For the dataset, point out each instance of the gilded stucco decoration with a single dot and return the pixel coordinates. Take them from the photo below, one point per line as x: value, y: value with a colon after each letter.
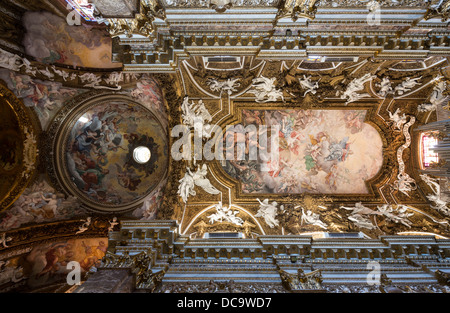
x: 379, y: 98
x: 20, y: 150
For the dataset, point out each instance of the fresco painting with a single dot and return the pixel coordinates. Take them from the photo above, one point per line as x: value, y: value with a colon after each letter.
x: 50, y: 39
x: 45, y: 97
x: 100, y: 153
x: 47, y: 263
x: 320, y: 151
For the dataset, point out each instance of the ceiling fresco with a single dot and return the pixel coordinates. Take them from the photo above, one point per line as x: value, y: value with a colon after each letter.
x: 97, y: 152
x: 346, y: 141
x: 320, y: 152
x: 148, y: 112
x: 51, y: 40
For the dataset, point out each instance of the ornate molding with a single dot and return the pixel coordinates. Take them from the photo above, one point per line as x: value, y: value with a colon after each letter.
x: 29, y: 159
x: 141, y: 24
x: 298, y: 8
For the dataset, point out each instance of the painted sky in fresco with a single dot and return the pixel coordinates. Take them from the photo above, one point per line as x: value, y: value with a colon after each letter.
x: 100, y: 148
x: 320, y: 151
x: 50, y: 39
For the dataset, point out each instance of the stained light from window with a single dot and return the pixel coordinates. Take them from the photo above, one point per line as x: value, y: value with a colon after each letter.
x: 84, y: 8
x: 428, y: 155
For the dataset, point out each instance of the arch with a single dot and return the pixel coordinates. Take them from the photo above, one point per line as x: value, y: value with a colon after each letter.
x: 212, y: 206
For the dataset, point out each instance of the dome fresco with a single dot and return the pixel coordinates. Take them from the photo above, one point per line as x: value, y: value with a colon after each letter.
x: 100, y: 149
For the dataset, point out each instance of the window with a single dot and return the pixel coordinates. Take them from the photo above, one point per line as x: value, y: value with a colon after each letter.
x: 84, y: 8
x: 428, y: 142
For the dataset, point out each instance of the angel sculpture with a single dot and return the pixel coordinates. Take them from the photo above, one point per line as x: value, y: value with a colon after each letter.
x: 268, y: 212
x: 397, y: 215
x: 85, y: 226
x: 397, y: 120
x: 312, y: 218
x: 439, y: 199
x: 112, y: 224
x: 360, y: 209
x: 186, y: 187
x: 196, y: 116
x: 357, y: 84
x: 198, y: 178
x: 385, y: 87
x: 437, y: 98
x: 407, y: 85
x: 357, y: 216
x: 229, y: 85
x: 4, y: 239
x: 265, y: 91
x: 225, y: 213
x: 306, y: 83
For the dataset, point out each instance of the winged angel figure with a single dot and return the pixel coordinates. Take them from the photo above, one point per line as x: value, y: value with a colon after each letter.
x: 198, y: 178
x: 265, y: 91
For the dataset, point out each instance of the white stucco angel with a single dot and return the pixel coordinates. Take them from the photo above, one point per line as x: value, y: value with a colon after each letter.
x: 186, y: 186
x: 432, y: 183
x: 10, y: 273
x: 201, y: 181
x: 226, y: 214
x: 85, y: 226
x: 10, y: 61
x: 385, y: 87
x: 228, y: 85
x: 397, y: 120
x: 265, y: 91
x: 196, y: 116
x: 360, y: 209
x: 438, y: 98
x: 355, y: 86
x: 359, y: 215
x: 4, y: 240
x: 361, y: 221
x: 397, y: 215
x: 198, y: 178
x: 439, y: 199
x: 307, y: 84
x: 405, y: 183
x: 407, y: 85
x: 112, y: 224
x: 312, y: 218
x: 268, y: 211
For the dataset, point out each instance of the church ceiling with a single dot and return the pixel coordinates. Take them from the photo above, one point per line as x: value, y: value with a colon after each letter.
x: 318, y: 115
x: 340, y: 103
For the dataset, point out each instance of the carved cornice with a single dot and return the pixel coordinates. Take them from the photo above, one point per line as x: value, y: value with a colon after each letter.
x: 31, y: 235
x: 141, y: 24
x: 295, y: 9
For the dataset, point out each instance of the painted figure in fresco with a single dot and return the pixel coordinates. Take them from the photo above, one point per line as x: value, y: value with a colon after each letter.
x: 93, y: 255
x: 127, y: 177
x: 339, y: 151
x: 52, y: 257
x: 93, y: 177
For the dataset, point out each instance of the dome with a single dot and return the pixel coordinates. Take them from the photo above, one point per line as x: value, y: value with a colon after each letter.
x: 112, y: 153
